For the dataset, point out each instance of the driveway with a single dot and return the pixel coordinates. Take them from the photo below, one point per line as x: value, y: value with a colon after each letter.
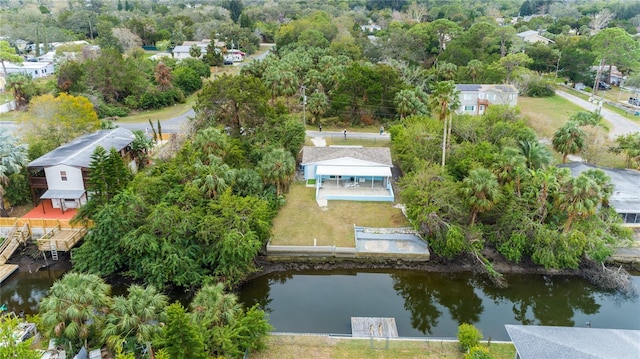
x: 172, y: 125
x: 620, y: 125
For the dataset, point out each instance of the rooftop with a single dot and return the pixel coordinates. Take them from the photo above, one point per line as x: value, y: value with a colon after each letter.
x: 380, y: 155
x: 626, y: 185
x: 77, y: 153
x: 572, y: 343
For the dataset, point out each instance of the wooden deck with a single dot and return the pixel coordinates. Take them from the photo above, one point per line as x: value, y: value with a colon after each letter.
x: 370, y: 327
x: 6, y: 270
x: 64, y: 239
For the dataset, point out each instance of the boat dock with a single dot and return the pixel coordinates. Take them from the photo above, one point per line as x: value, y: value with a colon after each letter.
x: 371, y: 327
x: 51, y: 235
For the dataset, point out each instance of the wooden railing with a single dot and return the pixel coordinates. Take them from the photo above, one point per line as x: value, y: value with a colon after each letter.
x: 38, y: 223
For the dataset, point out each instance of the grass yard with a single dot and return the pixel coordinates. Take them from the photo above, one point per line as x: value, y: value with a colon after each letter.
x: 319, y: 347
x: 301, y: 219
x: 546, y: 114
x: 355, y: 140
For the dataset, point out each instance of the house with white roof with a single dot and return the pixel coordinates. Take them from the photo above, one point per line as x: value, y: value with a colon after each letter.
x: 476, y: 98
x: 182, y: 51
x: 349, y: 173
x: 34, y: 69
x: 61, y: 175
x: 532, y: 36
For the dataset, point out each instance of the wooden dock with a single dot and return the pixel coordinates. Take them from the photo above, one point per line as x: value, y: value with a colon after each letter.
x: 63, y: 239
x: 370, y: 327
x: 6, y: 270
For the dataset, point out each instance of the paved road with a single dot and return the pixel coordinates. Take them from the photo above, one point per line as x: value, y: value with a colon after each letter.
x: 620, y: 124
x: 172, y: 125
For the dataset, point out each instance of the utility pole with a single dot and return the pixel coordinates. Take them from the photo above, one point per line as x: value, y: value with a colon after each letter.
x: 304, y: 105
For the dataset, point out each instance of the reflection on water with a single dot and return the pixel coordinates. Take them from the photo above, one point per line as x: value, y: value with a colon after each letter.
x: 434, y: 304
x: 423, y: 304
x: 24, y: 290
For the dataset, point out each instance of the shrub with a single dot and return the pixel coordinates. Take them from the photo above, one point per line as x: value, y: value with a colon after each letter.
x: 540, y: 88
x: 186, y: 79
x: 468, y: 336
x: 478, y: 352
x: 105, y: 110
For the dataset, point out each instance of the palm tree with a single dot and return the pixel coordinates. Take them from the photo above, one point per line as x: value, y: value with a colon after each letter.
x: 447, y: 70
x: 474, y: 68
x: 536, y: 154
x: 411, y: 102
x: 13, y: 157
x: 481, y: 190
x: 603, y: 181
x: 568, y: 139
x: 135, y: 320
x: 72, y: 312
x: 213, y: 310
x: 546, y: 181
x: 214, y: 178
x: 579, y: 197
x: 277, y: 168
x: 444, y: 97
x: 318, y: 105
x: 511, y: 167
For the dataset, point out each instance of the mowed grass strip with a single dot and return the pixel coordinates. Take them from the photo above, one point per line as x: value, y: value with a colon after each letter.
x: 322, y: 347
x: 301, y: 220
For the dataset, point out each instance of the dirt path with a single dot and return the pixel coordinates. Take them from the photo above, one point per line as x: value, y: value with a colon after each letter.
x: 619, y: 124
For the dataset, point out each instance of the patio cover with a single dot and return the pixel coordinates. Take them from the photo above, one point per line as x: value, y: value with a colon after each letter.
x: 62, y: 193
x: 353, y: 171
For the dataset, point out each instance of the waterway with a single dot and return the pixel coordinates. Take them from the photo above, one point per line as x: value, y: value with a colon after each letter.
x: 424, y: 304
x: 434, y: 304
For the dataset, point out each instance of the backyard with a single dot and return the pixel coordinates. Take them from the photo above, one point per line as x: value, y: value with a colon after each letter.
x: 301, y: 220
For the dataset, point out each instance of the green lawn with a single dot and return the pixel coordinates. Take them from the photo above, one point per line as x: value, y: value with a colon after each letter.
x: 319, y: 347
x: 301, y: 220
x: 546, y: 114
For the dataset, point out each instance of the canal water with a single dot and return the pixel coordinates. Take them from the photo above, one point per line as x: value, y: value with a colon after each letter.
x: 424, y: 304
x: 434, y: 304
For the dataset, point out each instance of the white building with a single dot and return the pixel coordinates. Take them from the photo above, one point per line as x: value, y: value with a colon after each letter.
x: 532, y: 36
x: 33, y: 69
x: 63, y: 172
x: 475, y: 99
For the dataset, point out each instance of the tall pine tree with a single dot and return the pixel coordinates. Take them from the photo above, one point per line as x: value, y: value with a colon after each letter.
x: 181, y: 339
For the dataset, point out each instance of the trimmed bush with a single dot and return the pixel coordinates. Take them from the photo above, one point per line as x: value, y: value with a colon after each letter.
x: 478, y: 352
x: 468, y: 336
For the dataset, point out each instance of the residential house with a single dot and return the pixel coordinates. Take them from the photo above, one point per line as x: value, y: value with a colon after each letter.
x: 33, y: 69
x: 61, y: 175
x: 532, y: 36
x: 182, y: 51
x: 625, y: 198
x: 371, y: 28
x: 349, y: 173
x: 475, y: 98
x: 610, y: 74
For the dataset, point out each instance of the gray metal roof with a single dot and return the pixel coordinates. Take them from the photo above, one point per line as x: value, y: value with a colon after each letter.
x: 62, y: 193
x: 626, y: 185
x: 380, y: 155
x: 486, y: 88
x: 77, y: 153
x: 541, y: 342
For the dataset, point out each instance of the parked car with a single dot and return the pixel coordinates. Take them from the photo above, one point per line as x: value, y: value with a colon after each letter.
x: 603, y: 86
x: 635, y: 101
x: 228, y: 62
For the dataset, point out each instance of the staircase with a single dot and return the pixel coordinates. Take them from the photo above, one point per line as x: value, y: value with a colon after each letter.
x: 17, y: 235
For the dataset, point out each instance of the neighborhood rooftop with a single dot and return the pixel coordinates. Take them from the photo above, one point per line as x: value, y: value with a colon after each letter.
x: 533, y: 341
x: 478, y: 87
x: 380, y: 155
x: 626, y: 185
x: 78, y: 152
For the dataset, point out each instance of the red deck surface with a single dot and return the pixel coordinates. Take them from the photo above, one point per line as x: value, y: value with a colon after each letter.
x: 44, y: 210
